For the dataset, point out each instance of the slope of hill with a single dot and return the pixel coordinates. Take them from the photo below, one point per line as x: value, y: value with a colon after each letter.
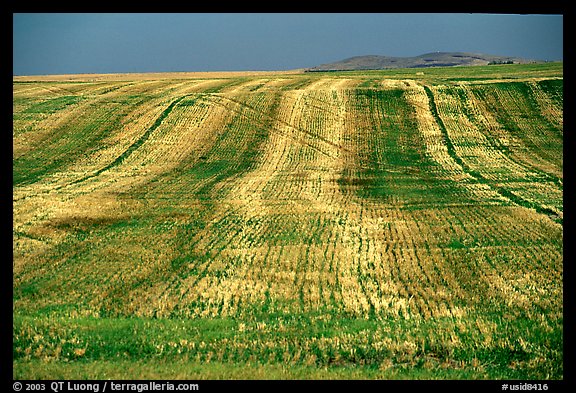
x: 434, y: 59
x: 368, y: 225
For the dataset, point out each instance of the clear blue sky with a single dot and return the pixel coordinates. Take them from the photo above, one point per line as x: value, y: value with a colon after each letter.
x: 106, y: 43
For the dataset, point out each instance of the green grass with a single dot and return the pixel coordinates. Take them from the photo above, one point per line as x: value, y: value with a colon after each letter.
x: 49, y: 344
x: 437, y: 75
x: 190, y: 369
x: 53, y: 105
x: 392, y: 154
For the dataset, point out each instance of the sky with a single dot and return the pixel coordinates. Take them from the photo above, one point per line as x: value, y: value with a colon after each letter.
x: 52, y: 43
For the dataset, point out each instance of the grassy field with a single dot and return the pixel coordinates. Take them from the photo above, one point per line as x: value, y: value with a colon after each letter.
x: 402, y: 224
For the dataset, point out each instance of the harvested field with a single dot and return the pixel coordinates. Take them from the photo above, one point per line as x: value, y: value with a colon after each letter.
x: 305, y: 225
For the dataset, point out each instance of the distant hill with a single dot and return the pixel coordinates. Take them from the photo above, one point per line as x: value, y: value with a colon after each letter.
x: 435, y: 59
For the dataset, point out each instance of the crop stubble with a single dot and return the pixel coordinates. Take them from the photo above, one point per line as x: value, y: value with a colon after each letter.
x: 433, y: 212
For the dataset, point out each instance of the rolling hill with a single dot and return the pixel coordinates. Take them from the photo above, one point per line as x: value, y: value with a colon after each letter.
x: 434, y: 59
